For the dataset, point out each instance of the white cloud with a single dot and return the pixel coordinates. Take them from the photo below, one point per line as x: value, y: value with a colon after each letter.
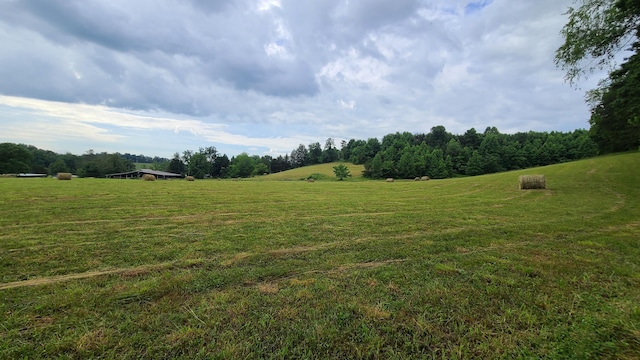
x: 265, y: 5
x: 270, y: 74
x: 357, y: 69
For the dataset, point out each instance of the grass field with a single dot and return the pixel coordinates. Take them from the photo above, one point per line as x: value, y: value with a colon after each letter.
x: 320, y: 172
x: 459, y: 268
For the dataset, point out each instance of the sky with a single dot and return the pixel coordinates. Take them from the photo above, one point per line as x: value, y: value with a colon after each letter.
x: 156, y: 77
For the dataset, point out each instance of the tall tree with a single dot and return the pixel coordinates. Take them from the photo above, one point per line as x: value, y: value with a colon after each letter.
x: 242, y: 166
x: 615, y: 110
x: 299, y: 156
x: 281, y: 163
x: 176, y: 165
x: 330, y: 153
x: 314, y: 155
x: 58, y: 166
x: 596, y: 31
x: 198, y: 165
x: 14, y: 158
x: 211, y: 153
x: 221, y: 166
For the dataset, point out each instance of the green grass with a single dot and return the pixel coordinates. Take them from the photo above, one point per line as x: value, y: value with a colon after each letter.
x: 460, y: 268
x: 319, y: 172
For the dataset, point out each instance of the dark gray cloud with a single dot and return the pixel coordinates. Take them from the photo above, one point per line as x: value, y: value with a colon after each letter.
x: 307, y: 69
x: 140, y: 49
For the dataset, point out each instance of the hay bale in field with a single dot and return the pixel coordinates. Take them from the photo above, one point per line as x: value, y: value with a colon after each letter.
x: 190, y: 178
x: 390, y: 180
x: 148, y: 177
x: 532, y: 182
x: 425, y: 178
x: 64, y: 176
x: 311, y: 180
x: 416, y: 179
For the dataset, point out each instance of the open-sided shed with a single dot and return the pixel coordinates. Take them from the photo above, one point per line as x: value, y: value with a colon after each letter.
x: 139, y: 173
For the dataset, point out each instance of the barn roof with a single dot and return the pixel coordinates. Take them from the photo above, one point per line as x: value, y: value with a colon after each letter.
x: 160, y: 173
x: 31, y: 175
x: 138, y: 173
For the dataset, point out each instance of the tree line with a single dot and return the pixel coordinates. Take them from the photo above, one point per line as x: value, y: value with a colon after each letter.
x: 440, y: 154
x: 437, y: 154
x: 20, y: 158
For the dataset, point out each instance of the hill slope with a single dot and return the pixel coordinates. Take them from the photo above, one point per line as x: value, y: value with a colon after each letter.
x: 455, y: 268
x: 304, y: 172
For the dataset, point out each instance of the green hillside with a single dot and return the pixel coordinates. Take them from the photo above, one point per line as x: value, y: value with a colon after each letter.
x: 457, y: 268
x: 326, y: 170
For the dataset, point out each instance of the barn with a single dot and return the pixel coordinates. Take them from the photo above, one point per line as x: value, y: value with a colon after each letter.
x: 139, y: 173
x: 31, y: 175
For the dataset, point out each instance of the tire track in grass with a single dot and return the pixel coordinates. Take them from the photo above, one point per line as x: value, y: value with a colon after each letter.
x: 89, y: 274
x: 232, y: 260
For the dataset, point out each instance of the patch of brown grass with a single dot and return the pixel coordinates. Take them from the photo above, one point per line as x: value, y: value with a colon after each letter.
x: 374, y: 312
x: 236, y: 259
x: 93, y: 340
x: 268, y: 288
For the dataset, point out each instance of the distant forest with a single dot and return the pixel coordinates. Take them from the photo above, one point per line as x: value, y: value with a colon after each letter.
x: 437, y: 154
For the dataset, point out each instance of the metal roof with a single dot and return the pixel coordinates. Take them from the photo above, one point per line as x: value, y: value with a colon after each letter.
x: 30, y: 175
x: 157, y: 173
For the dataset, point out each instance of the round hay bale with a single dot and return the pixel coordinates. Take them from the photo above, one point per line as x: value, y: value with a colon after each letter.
x: 190, y: 178
x: 148, y: 177
x: 425, y: 178
x: 390, y: 180
x: 528, y: 182
x: 64, y: 176
x: 310, y: 180
x: 416, y: 179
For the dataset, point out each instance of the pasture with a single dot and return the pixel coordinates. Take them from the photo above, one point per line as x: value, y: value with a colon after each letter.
x: 457, y: 268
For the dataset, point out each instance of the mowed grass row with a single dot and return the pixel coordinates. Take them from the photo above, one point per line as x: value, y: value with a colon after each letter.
x: 454, y: 268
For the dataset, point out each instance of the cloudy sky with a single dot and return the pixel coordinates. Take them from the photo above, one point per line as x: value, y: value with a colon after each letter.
x: 156, y: 77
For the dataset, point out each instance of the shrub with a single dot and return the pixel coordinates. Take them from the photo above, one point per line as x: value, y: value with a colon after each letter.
x: 64, y: 176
